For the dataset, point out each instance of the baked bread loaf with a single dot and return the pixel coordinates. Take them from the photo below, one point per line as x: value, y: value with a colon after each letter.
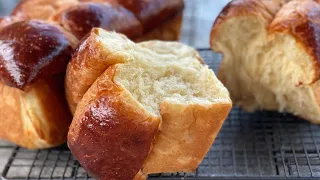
x: 141, y: 108
x: 36, y: 43
x: 33, y: 58
x: 271, y: 55
x: 139, y: 20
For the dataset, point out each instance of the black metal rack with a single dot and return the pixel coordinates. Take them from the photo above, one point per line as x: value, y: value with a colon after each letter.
x: 261, y: 145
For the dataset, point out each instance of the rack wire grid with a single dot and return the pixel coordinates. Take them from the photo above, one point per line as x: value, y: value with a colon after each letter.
x: 261, y: 145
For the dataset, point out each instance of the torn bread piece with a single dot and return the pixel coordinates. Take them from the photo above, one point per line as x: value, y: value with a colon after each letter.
x: 141, y: 108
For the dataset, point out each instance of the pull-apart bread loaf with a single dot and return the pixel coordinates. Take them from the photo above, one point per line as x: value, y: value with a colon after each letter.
x: 36, y: 43
x: 138, y: 19
x: 33, y: 58
x: 271, y: 55
x: 141, y: 108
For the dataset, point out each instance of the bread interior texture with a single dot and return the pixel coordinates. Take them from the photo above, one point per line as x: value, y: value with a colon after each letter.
x: 157, y: 72
x: 265, y: 71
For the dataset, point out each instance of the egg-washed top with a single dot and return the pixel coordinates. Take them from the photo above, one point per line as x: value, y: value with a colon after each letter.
x: 38, y: 38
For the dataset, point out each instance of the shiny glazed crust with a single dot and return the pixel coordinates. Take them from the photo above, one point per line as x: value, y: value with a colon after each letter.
x: 167, y: 31
x: 119, y: 130
x: 80, y: 19
x: 30, y: 50
x: 150, y: 13
x: 32, y: 122
x: 86, y: 65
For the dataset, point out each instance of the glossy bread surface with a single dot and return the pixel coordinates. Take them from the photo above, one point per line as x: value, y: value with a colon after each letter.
x: 152, y: 12
x: 31, y: 49
x: 113, y: 137
x: 80, y: 19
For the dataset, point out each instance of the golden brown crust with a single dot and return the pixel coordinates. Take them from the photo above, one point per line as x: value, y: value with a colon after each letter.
x: 152, y: 13
x: 110, y: 134
x: 28, y: 119
x: 31, y: 50
x: 89, y: 61
x: 81, y: 18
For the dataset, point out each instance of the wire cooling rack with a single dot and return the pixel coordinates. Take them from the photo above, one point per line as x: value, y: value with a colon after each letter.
x: 261, y: 145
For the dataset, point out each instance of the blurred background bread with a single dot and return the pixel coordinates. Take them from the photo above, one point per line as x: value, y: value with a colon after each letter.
x: 155, y: 19
x: 271, y: 55
x: 197, y: 19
